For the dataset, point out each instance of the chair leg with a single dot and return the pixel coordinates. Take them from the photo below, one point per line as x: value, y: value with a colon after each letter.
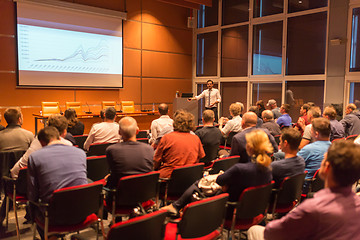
x: 16, y: 220
x: 7, y: 212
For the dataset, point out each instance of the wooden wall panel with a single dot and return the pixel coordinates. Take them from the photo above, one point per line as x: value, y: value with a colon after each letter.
x: 163, y: 90
x: 132, y: 62
x: 158, y: 64
x: 133, y: 8
x: 7, y: 53
x: 161, y: 38
x: 7, y: 17
x: 132, y: 34
x: 164, y: 14
x: 151, y: 74
x: 131, y: 90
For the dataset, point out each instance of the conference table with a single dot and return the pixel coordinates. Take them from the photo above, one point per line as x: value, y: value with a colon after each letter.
x: 143, y: 119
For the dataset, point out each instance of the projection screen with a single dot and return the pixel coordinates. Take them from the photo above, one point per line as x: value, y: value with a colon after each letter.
x: 63, y: 47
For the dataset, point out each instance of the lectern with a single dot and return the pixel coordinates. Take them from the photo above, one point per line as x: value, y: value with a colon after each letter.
x: 183, y: 103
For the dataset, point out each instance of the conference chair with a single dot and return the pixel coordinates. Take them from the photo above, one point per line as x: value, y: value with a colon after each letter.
x: 70, y: 209
x: 49, y: 108
x: 250, y: 210
x: 149, y: 226
x: 106, y: 104
x: 7, y: 161
x: 134, y: 191
x: 288, y: 195
x: 181, y: 179
x: 316, y: 184
x: 200, y: 220
x: 74, y: 105
x: 97, y: 167
x: 127, y: 106
x: 352, y: 137
x: 223, y: 164
x: 15, y: 190
x: 97, y: 149
x: 80, y: 140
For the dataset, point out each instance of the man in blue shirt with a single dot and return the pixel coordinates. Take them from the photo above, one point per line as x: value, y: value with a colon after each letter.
x: 313, y: 153
x: 284, y: 120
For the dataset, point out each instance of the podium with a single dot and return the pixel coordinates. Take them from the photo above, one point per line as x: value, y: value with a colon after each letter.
x: 191, y: 107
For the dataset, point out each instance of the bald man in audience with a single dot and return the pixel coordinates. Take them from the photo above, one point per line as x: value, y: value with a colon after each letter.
x: 269, y: 123
x: 238, y: 144
x: 164, y: 121
x: 128, y: 157
x: 351, y: 121
x: 333, y: 213
x: 14, y: 137
x: 104, y: 132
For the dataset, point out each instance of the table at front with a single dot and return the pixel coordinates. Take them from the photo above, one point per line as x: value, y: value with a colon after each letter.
x: 143, y: 119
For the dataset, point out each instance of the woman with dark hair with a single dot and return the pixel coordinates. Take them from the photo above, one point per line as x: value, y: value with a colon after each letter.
x: 75, y: 127
x: 240, y: 176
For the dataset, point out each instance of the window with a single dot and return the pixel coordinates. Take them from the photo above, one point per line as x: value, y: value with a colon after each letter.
x: 267, y: 49
x: 207, y: 54
x: 268, y: 7
x: 235, y: 11
x: 306, y: 44
x: 355, y: 37
x: 234, y: 52
x: 300, y: 92
x: 354, y: 92
x: 232, y: 92
x: 301, y: 5
x: 208, y: 16
x: 265, y: 92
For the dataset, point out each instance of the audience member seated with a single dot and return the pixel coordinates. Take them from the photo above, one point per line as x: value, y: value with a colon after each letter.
x: 240, y: 176
x: 259, y: 121
x: 333, y: 213
x: 270, y: 124
x: 164, y: 121
x: 292, y: 164
x: 13, y: 137
x: 284, y: 120
x: 179, y: 147
x: 260, y: 108
x: 75, y: 126
x: 274, y: 108
x: 209, y: 136
x: 313, y: 153
x: 303, y: 119
x: 313, y: 112
x: 107, y: 131
x: 233, y: 125
x: 57, y: 121
x: 351, y: 121
x: 128, y: 157
x: 238, y: 144
x: 337, y: 129
x: 53, y: 167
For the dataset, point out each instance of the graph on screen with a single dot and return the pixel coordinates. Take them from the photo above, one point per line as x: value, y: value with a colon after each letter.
x: 56, y: 50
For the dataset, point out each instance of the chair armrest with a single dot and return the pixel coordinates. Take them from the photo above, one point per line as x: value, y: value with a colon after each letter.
x: 232, y: 203
x: 176, y: 220
x: 275, y: 190
x: 109, y: 189
x: 39, y: 204
x: 164, y: 179
x: 6, y: 178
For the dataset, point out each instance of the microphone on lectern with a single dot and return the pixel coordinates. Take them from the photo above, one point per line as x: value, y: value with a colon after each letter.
x: 88, y: 112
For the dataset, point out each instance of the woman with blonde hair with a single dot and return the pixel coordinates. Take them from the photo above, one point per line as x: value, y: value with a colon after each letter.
x: 240, y: 176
